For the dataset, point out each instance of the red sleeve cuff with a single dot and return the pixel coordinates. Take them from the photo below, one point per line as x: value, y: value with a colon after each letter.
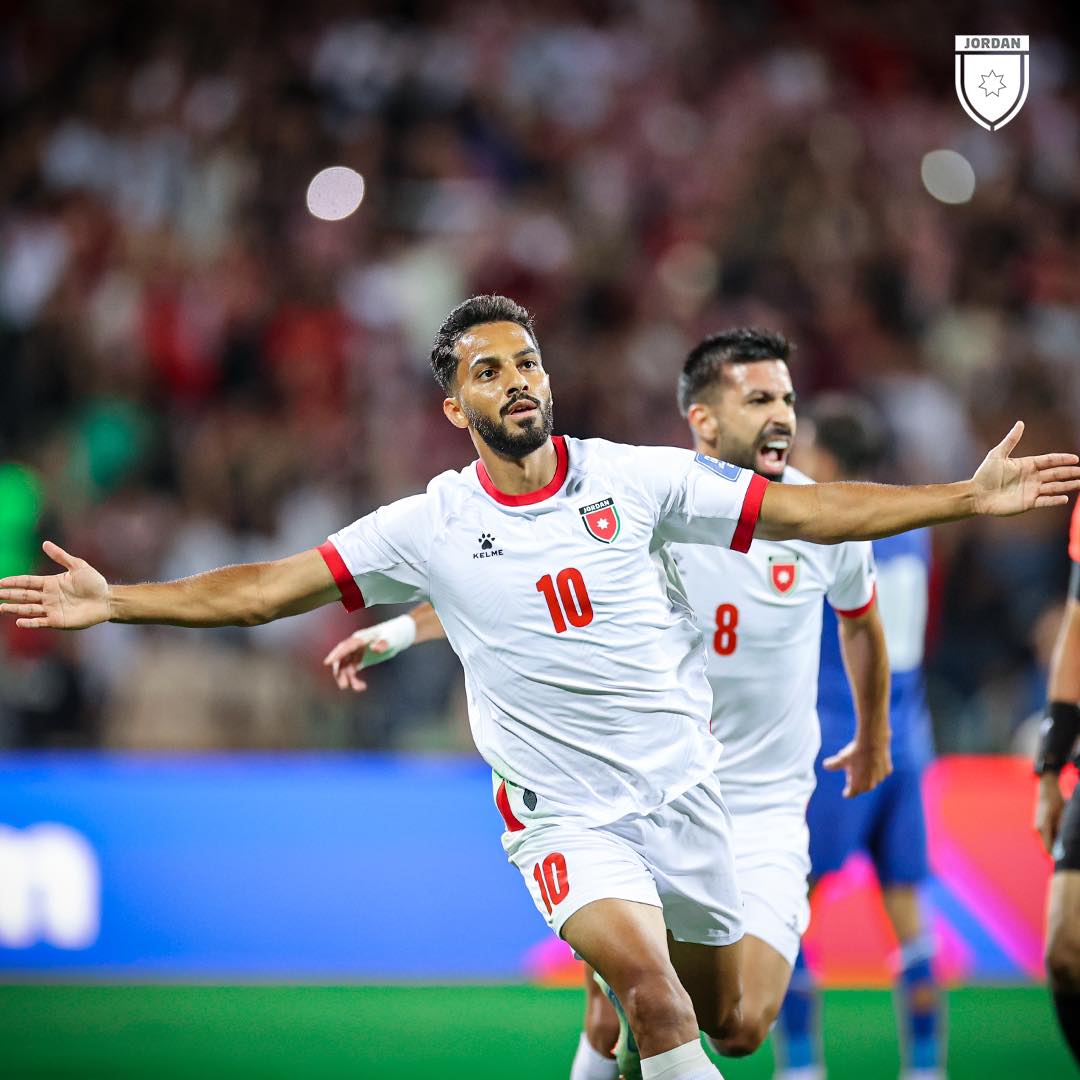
x: 856, y: 613
x: 751, y: 511
x: 351, y: 596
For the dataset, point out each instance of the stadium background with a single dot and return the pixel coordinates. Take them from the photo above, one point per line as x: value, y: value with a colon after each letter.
x: 195, y: 371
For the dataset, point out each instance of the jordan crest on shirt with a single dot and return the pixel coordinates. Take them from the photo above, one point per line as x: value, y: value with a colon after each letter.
x: 783, y: 573
x: 601, y: 520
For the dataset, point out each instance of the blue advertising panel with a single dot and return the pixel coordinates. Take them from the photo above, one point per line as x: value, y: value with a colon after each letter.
x: 354, y: 867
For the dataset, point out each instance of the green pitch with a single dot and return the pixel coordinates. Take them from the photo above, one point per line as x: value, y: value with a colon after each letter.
x: 458, y: 1033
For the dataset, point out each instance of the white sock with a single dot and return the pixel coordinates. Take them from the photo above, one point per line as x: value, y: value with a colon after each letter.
x: 686, y: 1062
x: 590, y: 1064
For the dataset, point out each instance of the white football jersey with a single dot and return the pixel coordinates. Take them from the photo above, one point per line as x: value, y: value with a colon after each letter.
x: 761, y: 615
x: 584, y: 667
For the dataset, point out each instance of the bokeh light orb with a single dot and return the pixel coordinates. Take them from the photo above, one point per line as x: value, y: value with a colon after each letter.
x: 334, y: 193
x: 948, y: 176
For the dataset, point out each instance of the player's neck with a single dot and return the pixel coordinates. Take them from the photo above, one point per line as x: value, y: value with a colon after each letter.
x: 520, y: 476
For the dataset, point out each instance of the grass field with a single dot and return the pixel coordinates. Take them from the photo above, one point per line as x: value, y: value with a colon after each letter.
x: 460, y: 1032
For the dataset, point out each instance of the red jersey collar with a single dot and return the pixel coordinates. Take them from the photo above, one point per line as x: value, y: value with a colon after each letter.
x: 562, y: 464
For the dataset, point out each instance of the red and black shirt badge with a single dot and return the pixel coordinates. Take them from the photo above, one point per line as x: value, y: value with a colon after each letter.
x: 601, y: 519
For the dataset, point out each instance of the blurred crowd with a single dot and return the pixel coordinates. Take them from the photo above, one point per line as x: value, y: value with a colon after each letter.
x: 195, y: 371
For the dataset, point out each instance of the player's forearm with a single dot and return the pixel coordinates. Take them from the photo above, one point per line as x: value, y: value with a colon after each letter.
x: 832, y: 513
x: 866, y: 660
x: 428, y: 626
x: 1064, y: 683
x: 245, y: 595
x: 230, y: 596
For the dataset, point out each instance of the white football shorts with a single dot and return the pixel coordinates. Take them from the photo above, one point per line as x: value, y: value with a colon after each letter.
x: 679, y: 858
x: 772, y: 862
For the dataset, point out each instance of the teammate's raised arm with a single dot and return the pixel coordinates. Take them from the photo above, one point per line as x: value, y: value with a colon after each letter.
x: 246, y: 595
x: 1002, y: 486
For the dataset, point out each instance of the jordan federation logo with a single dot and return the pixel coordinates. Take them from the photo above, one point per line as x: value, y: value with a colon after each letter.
x: 601, y: 520
x: 783, y: 573
x: 992, y: 77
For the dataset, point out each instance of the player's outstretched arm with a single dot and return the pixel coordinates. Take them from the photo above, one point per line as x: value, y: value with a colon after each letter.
x: 867, y: 759
x: 1002, y: 486
x: 383, y: 641
x: 1061, y: 723
x: 246, y: 595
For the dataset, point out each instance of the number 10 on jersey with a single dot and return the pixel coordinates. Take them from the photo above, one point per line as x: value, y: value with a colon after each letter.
x: 567, y: 599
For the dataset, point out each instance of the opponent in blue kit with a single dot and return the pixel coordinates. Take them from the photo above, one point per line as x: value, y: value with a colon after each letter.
x: 888, y: 823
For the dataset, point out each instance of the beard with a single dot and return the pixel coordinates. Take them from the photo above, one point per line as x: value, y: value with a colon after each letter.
x: 506, y: 442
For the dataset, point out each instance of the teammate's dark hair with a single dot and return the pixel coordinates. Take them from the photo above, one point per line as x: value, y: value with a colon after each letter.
x: 851, y: 430
x: 743, y: 345
x: 473, y: 312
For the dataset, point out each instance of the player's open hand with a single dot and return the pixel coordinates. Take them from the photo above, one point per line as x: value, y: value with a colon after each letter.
x: 1048, y: 809
x: 347, y: 657
x: 865, y: 765
x: 1005, y: 485
x: 70, y: 601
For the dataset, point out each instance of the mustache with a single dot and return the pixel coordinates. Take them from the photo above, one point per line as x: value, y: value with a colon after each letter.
x: 514, y: 402
x: 774, y: 431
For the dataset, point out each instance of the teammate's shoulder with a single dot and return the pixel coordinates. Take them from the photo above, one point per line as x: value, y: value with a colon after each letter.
x: 628, y: 456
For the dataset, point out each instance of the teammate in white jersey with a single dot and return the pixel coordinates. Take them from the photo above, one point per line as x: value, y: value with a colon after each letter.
x: 577, y: 649
x: 761, y: 615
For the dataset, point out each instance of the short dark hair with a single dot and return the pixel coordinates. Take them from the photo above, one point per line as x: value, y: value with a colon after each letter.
x: 742, y: 345
x: 473, y: 312
x: 852, y: 430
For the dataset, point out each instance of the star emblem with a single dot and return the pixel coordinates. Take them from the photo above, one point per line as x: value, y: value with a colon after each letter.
x: 784, y: 576
x: 602, y: 523
x: 989, y: 88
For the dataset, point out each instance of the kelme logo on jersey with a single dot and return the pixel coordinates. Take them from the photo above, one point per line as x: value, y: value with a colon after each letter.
x: 602, y: 520
x: 723, y: 469
x: 783, y: 573
x: 487, y: 547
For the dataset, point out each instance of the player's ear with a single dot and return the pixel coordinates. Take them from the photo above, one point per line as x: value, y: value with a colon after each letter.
x: 451, y: 408
x: 701, y: 419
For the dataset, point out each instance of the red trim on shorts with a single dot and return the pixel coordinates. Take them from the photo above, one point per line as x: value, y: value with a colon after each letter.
x: 502, y: 801
x: 857, y: 613
x: 1074, y: 534
x: 751, y: 511
x: 562, y: 464
x: 351, y: 596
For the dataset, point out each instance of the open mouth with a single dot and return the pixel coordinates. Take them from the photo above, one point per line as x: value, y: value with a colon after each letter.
x: 773, y: 454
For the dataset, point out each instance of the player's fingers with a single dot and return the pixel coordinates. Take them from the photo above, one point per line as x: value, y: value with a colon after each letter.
x: 34, y: 611
x: 32, y: 624
x: 1054, y: 461
x: 341, y: 651
x: 22, y: 596
x: 1051, y: 500
x: 379, y: 646
x: 1058, y: 487
x: 23, y: 581
x: 834, y: 763
x: 59, y: 555
x: 1008, y: 444
x: 356, y: 682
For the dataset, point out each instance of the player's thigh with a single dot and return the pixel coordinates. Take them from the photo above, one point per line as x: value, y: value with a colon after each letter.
x: 711, y: 975
x: 688, y: 847
x: 898, y: 844
x: 766, y: 975
x: 567, y: 865
x: 772, y: 865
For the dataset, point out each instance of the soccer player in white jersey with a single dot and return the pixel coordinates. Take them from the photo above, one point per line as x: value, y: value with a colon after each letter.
x: 761, y: 616
x: 585, y: 672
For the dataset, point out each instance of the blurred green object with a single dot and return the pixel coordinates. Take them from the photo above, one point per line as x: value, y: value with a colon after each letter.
x: 20, y: 510
x: 462, y: 1032
x: 115, y: 435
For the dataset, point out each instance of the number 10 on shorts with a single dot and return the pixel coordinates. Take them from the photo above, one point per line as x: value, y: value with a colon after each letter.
x: 552, y: 881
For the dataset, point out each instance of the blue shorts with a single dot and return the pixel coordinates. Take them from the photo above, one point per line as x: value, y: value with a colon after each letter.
x: 888, y: 824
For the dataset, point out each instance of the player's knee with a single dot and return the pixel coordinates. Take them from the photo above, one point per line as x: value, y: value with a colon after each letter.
x: 657, y: 1005
x: 748, y: 1031
x: 1063, y: 961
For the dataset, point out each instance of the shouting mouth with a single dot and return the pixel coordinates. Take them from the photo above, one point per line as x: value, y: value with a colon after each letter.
x: 773, y: 453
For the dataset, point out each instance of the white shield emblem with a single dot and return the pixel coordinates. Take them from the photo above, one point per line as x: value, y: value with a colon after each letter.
x: 992, y: 77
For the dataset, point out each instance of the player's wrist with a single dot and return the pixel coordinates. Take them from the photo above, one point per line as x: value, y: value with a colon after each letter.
x: 1057, y: 736
x: 399, y: 634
